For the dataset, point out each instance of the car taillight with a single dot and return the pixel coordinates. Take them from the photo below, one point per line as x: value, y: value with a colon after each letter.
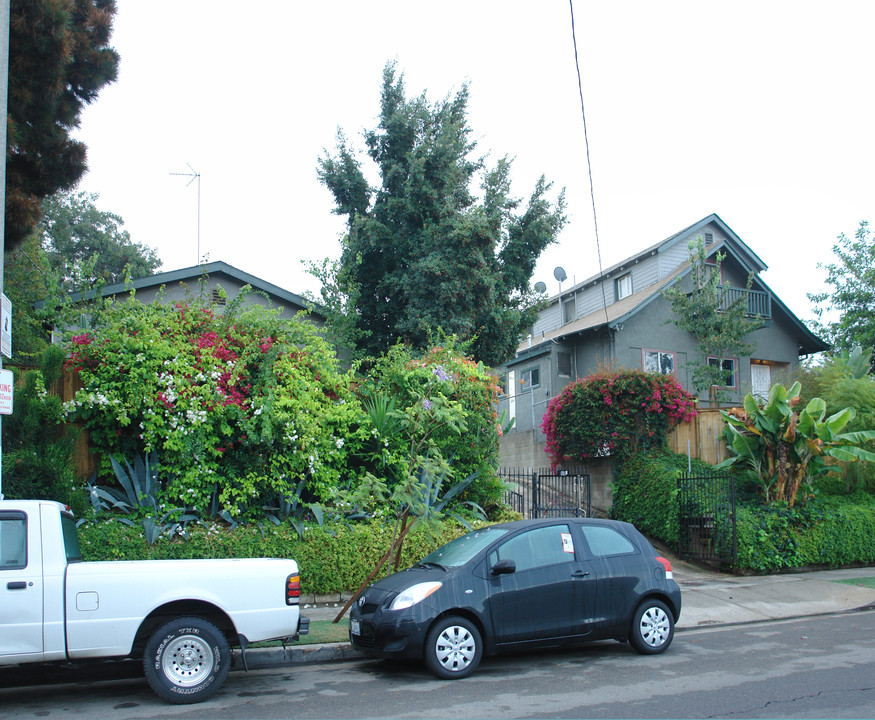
x: 293, y: 589
x: 667, y: 565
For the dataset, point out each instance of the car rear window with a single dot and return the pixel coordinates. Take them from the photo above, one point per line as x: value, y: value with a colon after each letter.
x: 604, y: 541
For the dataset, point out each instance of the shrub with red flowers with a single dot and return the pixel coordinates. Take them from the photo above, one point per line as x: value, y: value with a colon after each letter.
x: 241, y: 406
x: 614, y: 413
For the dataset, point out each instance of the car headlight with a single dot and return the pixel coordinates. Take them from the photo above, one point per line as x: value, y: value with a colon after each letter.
x: 414, y: 594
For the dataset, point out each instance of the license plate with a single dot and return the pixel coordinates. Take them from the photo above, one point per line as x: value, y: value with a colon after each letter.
x: 355, y: 627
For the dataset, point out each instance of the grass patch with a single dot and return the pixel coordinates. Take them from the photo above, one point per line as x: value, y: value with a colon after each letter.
x: 321, y: 631
x: 867, y: 582
x: 325, y: 631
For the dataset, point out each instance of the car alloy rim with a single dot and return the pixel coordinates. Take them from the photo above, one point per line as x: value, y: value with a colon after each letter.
x: 187, y: 661
x: 455, y: 648
x: 654, y: 626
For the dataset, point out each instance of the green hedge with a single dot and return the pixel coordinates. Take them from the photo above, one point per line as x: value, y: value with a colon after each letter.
x: 331, y: 559
x: 645, y: 493
x: 830, y: 530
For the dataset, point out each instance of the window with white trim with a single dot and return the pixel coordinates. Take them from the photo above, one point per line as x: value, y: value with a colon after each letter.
x: 658, y: 361
x: 530, y: 378
x: 623, y: 287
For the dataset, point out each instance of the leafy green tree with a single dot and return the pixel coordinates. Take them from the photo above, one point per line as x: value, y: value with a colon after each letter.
x: 86, y: 245
x: 717, y: 319
x: 421, y: 252
x: 59, y: 59
x: 28, y: 279
x: 852, y: 296
x: 783, y: 449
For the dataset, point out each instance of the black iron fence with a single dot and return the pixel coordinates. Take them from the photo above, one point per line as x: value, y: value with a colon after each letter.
x: 548, y: 493
x: 706, y: 516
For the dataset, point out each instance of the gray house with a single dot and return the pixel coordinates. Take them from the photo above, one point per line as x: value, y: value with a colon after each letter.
x: 621, y: 318
x: 217, y: 281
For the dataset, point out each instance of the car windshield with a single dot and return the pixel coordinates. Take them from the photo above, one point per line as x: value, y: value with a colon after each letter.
x: 462, y: 549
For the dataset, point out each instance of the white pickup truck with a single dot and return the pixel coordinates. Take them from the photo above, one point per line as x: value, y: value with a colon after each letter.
x: 180, y: 616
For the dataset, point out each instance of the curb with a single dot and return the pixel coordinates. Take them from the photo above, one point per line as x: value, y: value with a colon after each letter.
x: 295, y: 655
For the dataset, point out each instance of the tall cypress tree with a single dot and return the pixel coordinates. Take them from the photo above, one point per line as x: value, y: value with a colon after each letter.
x: 422, y: 253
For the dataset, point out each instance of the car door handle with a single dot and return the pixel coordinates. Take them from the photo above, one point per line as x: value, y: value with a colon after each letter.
x: 579, y: 573
x: 16, y: 585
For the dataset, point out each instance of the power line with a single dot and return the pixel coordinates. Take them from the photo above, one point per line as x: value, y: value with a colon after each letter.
x: 588, y: 161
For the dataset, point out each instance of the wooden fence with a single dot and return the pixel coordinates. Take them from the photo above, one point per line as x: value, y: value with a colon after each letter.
x: 701, y: 438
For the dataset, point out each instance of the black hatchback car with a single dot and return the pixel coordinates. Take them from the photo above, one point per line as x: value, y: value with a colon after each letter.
x: 530, y: 583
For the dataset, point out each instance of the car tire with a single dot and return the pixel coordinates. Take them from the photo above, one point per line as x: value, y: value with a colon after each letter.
x: 453, y: 648
x: 652, y: 627
x: 186, y: 660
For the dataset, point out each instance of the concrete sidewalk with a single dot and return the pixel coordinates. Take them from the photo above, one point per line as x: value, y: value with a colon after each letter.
x: 710, y: 599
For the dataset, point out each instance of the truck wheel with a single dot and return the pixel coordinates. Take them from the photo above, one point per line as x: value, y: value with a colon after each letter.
x: 186, y: 660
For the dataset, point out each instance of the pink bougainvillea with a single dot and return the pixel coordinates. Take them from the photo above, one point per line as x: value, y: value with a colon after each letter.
x: 614, y: 412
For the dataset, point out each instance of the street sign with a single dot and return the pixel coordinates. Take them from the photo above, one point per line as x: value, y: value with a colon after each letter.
x: 5, y: 326
x: 6, y: 392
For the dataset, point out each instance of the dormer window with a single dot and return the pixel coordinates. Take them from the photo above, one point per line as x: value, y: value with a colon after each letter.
x: 623, y: 286
x: 569, y: 311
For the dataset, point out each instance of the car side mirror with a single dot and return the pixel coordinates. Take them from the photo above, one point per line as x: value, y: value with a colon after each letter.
x: 504, y: 567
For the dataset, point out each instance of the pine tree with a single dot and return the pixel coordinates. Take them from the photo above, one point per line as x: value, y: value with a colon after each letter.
x: 59, y: 59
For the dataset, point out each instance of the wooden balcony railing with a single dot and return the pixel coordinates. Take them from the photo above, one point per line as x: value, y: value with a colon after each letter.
x: 759, y: 303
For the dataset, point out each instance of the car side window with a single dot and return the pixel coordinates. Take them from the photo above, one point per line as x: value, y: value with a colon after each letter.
x: 13, y: 541
x: 604, y: 541
x: 536, y: 548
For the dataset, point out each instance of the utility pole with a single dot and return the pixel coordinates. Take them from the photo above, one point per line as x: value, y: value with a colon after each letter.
x: 4, y: 97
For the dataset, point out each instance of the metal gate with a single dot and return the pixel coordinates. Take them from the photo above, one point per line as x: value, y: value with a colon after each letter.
x: 706, y: 516
x: 548, y: 493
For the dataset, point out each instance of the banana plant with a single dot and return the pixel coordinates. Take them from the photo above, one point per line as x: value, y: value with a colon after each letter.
x: 783, y: 449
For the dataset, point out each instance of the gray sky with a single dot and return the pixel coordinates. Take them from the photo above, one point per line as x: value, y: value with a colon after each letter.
x: 758, y: 111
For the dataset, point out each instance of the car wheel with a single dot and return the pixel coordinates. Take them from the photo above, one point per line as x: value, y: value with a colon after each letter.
x: 453, y: 648
x: 652, y: 628
x: 186, y: 660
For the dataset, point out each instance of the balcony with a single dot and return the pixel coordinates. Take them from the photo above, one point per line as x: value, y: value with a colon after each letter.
x: 759, y: 303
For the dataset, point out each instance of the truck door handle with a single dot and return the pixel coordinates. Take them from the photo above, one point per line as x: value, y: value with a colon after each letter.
x: 579, y: 573
x: 16, y: 585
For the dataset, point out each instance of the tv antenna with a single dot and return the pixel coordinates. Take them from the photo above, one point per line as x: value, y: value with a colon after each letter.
x: 195, y: 175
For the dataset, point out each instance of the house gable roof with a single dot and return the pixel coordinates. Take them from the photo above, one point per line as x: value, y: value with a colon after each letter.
x: 215, y: 271
x: 617, y: 313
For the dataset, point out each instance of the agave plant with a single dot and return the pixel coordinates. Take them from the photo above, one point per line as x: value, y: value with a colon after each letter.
x: 783, y: 449
x: 139, y: 488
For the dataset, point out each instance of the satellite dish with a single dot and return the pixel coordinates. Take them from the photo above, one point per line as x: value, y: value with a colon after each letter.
x: 540, y: 287
x: 559, y: 274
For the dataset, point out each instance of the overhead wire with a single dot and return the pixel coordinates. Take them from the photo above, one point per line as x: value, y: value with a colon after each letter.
x: 588, y: 159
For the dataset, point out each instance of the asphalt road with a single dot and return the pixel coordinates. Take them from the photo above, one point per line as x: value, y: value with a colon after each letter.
x: 814, y: 667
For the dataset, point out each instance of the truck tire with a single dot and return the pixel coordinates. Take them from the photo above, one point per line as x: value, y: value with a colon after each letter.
x: 186, y: 660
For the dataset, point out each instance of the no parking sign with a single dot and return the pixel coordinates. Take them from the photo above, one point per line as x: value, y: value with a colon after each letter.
x: 6, y: 391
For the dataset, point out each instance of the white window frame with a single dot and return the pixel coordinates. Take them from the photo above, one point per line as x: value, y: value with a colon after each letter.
x: 623, y: 286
